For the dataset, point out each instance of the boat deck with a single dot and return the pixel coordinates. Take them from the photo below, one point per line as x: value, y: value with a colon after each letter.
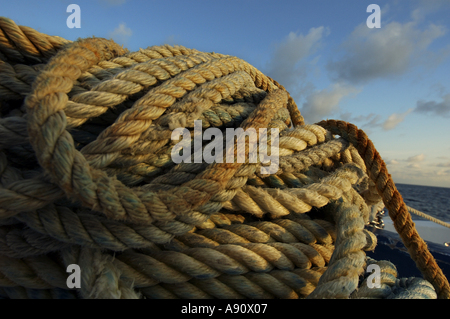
x: 390, y: 247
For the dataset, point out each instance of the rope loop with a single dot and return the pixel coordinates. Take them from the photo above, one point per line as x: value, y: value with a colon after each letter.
x: 88, y: 178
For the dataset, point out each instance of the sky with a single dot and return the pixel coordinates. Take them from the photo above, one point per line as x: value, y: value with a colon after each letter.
x: 392, y: 82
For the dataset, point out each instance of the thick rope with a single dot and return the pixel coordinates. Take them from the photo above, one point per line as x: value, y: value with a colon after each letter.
x: 24, y: 45
x: 69, y: 227
x: 392, y: 199
x: 249, y: 258
x: 91, y: 181
x: 85, y: 191
x: 347, y: 262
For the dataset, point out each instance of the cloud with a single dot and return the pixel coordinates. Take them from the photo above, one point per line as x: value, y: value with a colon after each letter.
x: 121, y: 34
x: 435, y: 108
x: 443, y: 172
x: 413, y: 171
x: 394, y: 119
x: 416, y: 159
x: 426, y: 7
x: 320, y: 104
x: 371, y: 120
x: 447, y: 164
x: 287, y: 65
x: 392, y: 162
x: 383, y: 53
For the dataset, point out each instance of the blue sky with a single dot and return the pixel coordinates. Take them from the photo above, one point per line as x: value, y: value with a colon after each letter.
x: 393, y: 82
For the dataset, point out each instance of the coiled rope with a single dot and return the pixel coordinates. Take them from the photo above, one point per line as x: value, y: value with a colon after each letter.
x: 87, y: 178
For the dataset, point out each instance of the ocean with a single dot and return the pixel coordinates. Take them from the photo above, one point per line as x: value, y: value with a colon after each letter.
x: 434, y: 201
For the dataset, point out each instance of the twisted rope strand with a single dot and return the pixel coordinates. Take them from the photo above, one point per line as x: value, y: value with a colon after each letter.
x: 346, y: 264
x: 392, y: 199
x: 198, y: 198
x: 23, y: 44
x: 426, y: 216
x: 99, y: 120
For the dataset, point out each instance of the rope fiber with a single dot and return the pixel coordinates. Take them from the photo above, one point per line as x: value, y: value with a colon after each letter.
x: 87, y: 178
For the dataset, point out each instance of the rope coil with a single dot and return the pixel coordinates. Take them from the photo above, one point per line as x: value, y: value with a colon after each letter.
x: 86, y: 174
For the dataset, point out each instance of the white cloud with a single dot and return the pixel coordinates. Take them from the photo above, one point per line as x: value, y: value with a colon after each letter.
x: 386, y: 52
x: 392, y: 162
x: 320, y: 104
x: 287, y: 65
x: 414, y: 165
x: 416, y: 159
x: 436, y: 108
x: 368, y: 121
x: 426, y: 7
x: 414, y: 174
x: 121, y: 34
x: 443, y: 172
x: 394, y: 119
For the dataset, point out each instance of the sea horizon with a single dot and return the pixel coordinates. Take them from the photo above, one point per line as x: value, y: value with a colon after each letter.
x: 421, y: 185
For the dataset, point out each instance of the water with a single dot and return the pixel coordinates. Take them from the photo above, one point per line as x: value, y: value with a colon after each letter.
x: 434, y: 201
